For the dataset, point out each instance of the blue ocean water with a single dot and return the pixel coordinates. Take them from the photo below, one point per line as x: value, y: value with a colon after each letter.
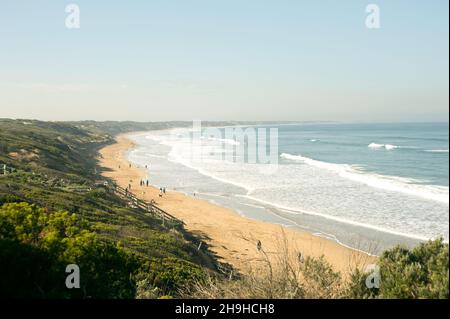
x: 368, y: 186
x: 418, y: 151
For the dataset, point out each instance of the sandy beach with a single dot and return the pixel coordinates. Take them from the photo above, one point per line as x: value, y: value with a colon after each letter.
x: 231, y: 237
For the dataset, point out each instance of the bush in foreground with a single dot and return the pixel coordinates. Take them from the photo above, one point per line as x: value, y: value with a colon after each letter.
x: 418, y: 273
x: 36, y: 246
x: 422, y: 272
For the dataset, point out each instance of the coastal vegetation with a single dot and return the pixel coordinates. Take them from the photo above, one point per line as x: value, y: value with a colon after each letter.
x: 55, y: 210
x: 420, y: 273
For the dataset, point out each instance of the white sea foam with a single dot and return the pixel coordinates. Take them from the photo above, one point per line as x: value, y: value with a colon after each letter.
x: 330, y: 166
x: 385, y: 146
x: 389, y: 183
x: 390, y: 147
x: 375, y: 145
x: 297, y: 211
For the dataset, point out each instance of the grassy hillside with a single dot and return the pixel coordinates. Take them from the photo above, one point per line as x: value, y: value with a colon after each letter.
x: 53, y: 166
x: 114, y: 128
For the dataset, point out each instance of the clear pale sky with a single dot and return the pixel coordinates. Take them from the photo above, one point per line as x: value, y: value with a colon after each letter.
x: 225, y: 60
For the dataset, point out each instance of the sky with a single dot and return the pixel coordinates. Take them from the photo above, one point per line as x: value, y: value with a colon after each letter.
x: 157, y: 60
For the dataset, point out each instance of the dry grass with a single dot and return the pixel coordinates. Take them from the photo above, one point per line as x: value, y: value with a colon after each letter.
x: 284, y: 274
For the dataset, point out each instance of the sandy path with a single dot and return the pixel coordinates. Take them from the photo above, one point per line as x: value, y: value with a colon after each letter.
x: 230, y: 236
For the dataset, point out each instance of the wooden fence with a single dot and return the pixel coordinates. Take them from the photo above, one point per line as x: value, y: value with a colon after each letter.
x: 150, y: 208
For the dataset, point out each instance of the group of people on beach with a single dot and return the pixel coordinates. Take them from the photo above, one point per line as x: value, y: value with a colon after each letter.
x: 129, y: 166
x: 143, y: 183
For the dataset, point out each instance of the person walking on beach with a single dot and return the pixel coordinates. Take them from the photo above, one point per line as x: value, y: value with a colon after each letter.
x: 259, y: 245
x: 164, y: 190
x: 147, y: 182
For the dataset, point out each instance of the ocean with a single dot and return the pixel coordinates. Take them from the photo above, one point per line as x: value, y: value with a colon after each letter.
x: 365, y: 186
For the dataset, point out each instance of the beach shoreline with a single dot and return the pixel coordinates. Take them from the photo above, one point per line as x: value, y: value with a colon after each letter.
x: 230, y: 236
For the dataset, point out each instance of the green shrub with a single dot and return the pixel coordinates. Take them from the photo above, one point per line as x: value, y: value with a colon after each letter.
x: 408, y: 274
x: 167, y: 275
x: 418, y: 273
x: 52, y: 241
